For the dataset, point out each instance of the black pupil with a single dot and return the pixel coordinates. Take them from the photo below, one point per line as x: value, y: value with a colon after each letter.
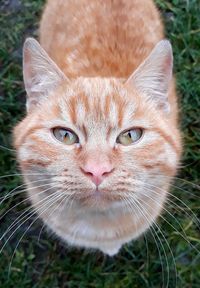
x: 67, y: 134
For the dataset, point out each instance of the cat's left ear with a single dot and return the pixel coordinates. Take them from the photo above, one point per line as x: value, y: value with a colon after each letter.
x: 41, y: 74
x: 153, y: 76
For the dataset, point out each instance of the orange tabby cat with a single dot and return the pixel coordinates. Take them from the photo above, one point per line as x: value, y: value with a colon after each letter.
x: 100, y: 143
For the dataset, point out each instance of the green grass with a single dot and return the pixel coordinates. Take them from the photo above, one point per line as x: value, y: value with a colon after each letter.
x: 47, y: 262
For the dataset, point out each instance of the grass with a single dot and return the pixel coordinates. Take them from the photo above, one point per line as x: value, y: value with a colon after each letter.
x: 46, y: 262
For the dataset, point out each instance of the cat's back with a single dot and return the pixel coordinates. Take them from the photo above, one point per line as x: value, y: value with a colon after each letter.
x: 100, y: 37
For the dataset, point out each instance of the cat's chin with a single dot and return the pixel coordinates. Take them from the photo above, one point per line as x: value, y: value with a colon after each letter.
x: 101, y: 223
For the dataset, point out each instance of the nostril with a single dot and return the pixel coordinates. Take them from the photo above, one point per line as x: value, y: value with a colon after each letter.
x: 106, y: 173
x: 87, y: 173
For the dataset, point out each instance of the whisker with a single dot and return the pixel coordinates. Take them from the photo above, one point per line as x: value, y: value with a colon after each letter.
x: 55, y: 198
x: 179, y: 179
x: 146, y: 240
x: 11, y: 194
x: 167, y: 243
x: 171, y: 194
x: 195, y: 217
x: 185, y: 238
x: 26, y: 174
x: 23, y: 215
x: 6, y: 148
x: 67, y: 198
x: 32, y: 188
x: 28, y: 209
x: 132, y: 202
x: 27, y: 217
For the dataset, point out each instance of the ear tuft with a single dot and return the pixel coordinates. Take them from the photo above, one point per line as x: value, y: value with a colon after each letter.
x: 41, y: 74
x: 153, y: 76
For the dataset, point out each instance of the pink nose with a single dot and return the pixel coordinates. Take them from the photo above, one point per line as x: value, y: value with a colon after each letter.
x: 97, y: 171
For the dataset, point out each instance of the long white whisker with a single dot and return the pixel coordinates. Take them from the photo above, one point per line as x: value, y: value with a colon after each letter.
x: 52, y: 201
x: 67, y: 198
x: 178, y: 179
x: 132, y: 203
x: 195, y: 217
x: 184, y: 237
x: 6, y: 148
x: 32, y: 188
x: 11, y: 194
x: 28, y: 209
x: 25, y: 174
x: 30, y: 214
x: 129, y: 206
x: 141, y: 206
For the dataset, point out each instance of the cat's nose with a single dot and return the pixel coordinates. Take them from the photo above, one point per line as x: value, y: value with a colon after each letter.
x: 97, y: 171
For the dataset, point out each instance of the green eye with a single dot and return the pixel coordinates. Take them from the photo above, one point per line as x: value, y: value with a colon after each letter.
x: 66, y: 136
x: 129, y: 137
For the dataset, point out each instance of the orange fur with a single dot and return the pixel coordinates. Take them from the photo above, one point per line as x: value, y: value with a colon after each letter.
x: 98, y: 45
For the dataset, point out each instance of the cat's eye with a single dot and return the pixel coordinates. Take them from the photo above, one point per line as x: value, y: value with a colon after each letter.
x: 130, y: 136
x: 66, y: 136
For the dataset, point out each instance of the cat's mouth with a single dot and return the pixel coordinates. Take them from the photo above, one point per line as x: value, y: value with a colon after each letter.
x: 97, y: 198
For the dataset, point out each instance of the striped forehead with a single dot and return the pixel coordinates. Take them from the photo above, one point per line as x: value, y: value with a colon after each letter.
x: 97, y: 103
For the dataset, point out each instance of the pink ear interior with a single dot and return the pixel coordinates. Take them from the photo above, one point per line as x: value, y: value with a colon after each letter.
x: 153, y: 76
x: 41, y: 74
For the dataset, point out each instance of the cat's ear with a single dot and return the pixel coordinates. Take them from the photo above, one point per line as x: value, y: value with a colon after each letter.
x: 41, y: 74
x: 153, y: 76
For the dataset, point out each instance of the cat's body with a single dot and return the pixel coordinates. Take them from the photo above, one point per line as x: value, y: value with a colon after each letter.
x: 101, y: 38
x: 115, y: 192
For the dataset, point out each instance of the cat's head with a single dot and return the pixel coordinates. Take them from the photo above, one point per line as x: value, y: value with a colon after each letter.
x: 105, y: 143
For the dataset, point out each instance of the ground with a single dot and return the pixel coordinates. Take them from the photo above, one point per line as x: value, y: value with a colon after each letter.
x: 169, y: 259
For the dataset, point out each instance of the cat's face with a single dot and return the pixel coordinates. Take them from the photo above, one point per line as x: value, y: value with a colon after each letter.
x: 102, y: 145
x: 98, y: 141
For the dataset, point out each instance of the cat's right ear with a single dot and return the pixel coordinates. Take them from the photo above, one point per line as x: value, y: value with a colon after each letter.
x: 41, y: 74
